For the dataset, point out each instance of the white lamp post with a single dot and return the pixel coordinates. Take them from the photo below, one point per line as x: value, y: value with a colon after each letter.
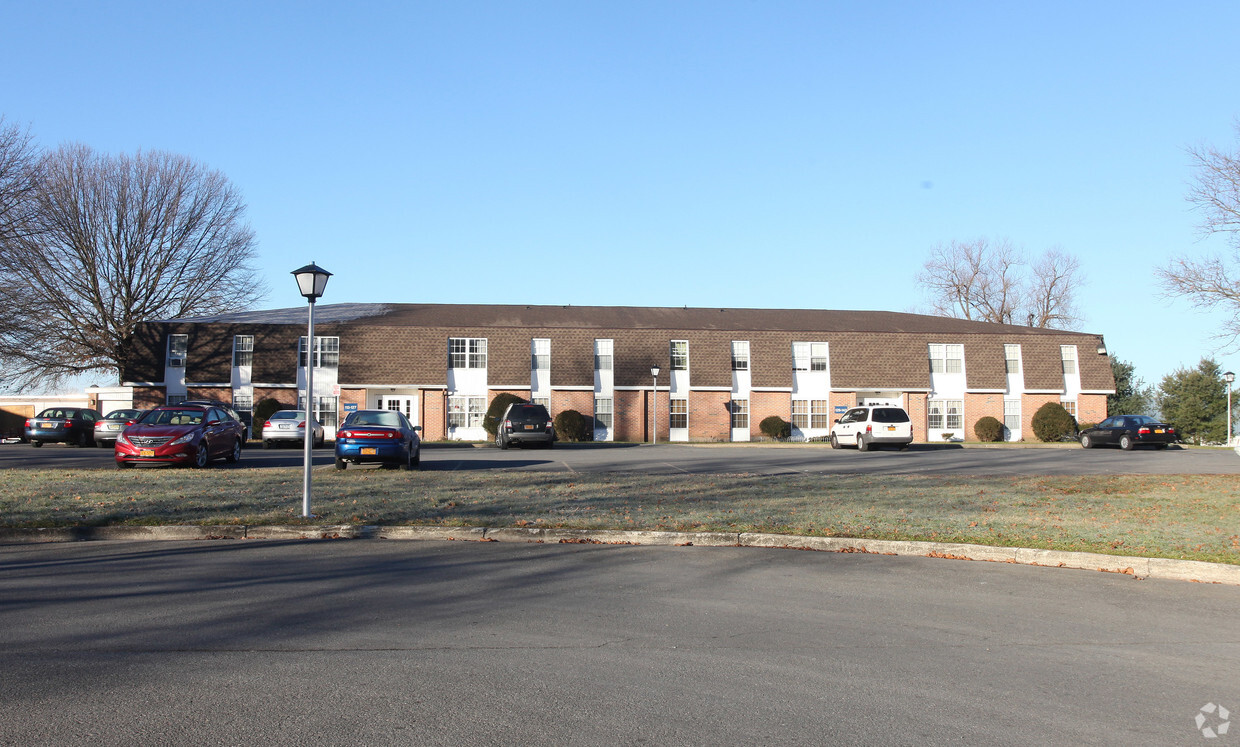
x: 654, y: 408
x: 1229, y: 377
x: 311, y: 281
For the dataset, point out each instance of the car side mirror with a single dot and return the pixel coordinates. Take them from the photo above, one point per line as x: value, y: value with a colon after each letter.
x: 417, y: 429
x: 212, y: 422
x: 837, y: 420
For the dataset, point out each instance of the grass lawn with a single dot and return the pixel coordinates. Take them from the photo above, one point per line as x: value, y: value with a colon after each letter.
x: 1193, y: 517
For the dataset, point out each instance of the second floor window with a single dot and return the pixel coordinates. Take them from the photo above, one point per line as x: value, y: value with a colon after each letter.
x: 680, y: 355
x: 946, y: 359
x: 178, y: 346
x: 740, y: 355
x: 243, y: 350
x: 467, y: 352
x: 540, y: 354
x: 602, y: 355
x: 809, y: 356
x: 326, y: 352
x: 1068, y: 353
x: 1011, y: 356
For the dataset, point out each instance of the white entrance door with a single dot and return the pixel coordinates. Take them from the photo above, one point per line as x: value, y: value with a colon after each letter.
x: 404, y: 403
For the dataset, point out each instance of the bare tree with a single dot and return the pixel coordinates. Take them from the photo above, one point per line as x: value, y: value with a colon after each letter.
x: 118, y: 240
x: 18, y: 162
x: 1212, y: 281
x: 992, y: 282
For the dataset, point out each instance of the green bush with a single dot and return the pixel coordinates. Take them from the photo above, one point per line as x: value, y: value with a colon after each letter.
x: 1053, y: 423
x: 988, y: 429
x: 496, y: 411
x: 263, y: 410
x: 776, y: 427
x: 571, y: 425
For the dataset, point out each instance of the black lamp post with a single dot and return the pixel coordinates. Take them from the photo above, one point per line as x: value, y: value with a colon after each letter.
x: 1229, y: 377
x: 311, y: 281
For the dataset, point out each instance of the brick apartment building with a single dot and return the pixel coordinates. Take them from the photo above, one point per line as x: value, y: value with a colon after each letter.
x: 722, y: 370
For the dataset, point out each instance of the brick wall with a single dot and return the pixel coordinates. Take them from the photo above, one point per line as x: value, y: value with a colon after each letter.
x: 434, y: 404
x: 146, y: 397
x: 765, y: 404
x: 915, y: 404
x: 978, y: 406
x: 709, y: 416
x: 1091, y: 408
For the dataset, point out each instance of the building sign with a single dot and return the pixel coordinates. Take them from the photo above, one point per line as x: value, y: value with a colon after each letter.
x: 350, y: 407
x: 841, y: 409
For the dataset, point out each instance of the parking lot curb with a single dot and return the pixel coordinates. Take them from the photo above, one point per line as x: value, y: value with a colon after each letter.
x: 1137, y: 567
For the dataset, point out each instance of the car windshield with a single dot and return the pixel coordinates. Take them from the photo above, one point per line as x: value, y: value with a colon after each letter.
x: 287, y: 415
x: 1141, y: 420
x: 173, y: 417
x: 528, y: 412
x: 59, y: 412
x: 389, y: 418
x: 890, y: 415
x: 123, y: 414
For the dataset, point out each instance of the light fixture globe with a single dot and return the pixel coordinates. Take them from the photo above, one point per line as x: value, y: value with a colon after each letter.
x: 654, y: 371
x: 1229, y: 377
x: 311, y: 281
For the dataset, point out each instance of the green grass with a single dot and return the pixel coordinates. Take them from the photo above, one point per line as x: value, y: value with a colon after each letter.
x: 1193, y: 517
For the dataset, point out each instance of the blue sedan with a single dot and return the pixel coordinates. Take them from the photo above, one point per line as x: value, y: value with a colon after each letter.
x: 378, y: 436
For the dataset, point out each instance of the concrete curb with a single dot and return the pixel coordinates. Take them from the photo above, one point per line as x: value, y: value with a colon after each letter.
x: 1161, y: 568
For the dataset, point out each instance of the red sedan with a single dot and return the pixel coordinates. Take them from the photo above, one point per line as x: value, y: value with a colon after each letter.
x: 181, y: 434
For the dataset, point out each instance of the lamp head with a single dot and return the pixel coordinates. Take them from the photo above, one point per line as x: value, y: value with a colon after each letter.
x: 311, y: 281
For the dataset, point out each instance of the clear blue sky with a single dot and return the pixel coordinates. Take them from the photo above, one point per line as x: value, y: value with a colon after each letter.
x: 743, y: 154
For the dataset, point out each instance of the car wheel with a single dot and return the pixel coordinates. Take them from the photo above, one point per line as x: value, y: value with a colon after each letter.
x: 235, y: 454
x: 318, y: 443
x: 1087, y: 442
x: 100, y: 444
x: 835, y: 442
x: 1126, y: 443
x: 862, y: 444
x: 82, y: 440
x: 340, y: 464
x: 36, y: 444
x: 408, y: 463
x: 417, y: 458
x: 201, y: 457
x: 266, y: 444
x: 904, y: 447
x: 501, y: 442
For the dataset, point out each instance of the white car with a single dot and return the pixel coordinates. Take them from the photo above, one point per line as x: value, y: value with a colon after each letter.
x: 289, y: 426
x: 868, y: 426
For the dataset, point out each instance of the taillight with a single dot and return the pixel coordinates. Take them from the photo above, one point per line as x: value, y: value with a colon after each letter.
x: 507, y: 425
x: 27, y: 423
x: 869, y: 428
x: 550, y: 425
x: 302, y: 424
x: 1171, y: 430
x: 267, y: 424
x: 1143, y: 431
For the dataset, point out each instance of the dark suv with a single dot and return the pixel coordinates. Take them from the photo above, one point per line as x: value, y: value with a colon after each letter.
x: 525, y: 423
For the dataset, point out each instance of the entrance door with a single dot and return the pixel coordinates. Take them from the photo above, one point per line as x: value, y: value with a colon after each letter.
x: 404, y: 403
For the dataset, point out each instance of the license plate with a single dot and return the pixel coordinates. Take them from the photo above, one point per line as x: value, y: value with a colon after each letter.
x: 1158, y: 430
x: 146, y: 452
x: 115, y: 427
x: 285, y: 426
x: 891, y: 427
x: 369, y: 451
x: 47, y: 424
x: 530, y: 427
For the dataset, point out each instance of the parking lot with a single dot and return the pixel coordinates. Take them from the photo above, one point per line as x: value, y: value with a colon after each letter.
x: 720, y: 458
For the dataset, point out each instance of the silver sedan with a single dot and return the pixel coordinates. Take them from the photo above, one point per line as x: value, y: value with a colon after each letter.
x: 289, y: 426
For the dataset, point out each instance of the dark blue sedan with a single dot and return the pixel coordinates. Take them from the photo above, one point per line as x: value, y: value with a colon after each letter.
x: 378, y: 436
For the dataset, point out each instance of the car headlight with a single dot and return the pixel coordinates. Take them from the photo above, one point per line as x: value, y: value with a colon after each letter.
x: 187, y: 438
x: 122, y: 440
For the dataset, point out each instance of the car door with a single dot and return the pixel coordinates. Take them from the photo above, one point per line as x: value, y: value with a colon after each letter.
x: 1113, y: 428
x: 847, y: 431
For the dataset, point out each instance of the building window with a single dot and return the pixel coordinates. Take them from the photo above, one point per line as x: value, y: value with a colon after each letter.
x: 176, y: 399
x: 1011, y: 416
x: 680, y: 355
x: 324, y: 410
x: 1011, y: 356
x: 467, y: 352
x: 243, y: 402
x: 820, y: 414
x: 243, y: 350
x: 466, y: 412
x: 1068, y: 354
x: 544, y: 401
x: 946, y: 359
x: 326, y: 352
x: 602, y: 413
x: 1070, y: 406
x: 678, y: 415
x: 800, y: 413
x: 178, y: 346
x: 946, y: 414
x: 602, y: 355
x: 740, y: 414
x: 740, y: 355
x: 540, y: 354
x: 809, y: 356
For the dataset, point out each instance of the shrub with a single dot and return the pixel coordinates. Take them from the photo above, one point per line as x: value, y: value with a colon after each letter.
x: 1053, y: 423
x: 263, y: 410
x: 775, y: 427
x: 571, y: 425
x: 988, y: 429
x: 496, y: 411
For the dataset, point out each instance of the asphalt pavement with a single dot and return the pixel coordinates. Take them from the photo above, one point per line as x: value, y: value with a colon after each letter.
x: 390, y: 642
x: 723, y: 458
